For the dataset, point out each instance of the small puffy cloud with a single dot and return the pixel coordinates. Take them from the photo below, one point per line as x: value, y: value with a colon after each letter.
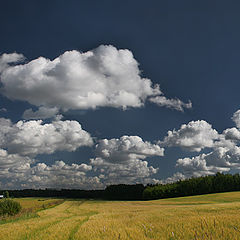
x: 176, y: 104
x: 60, y: 168
x: 174, y: 178
x: 197, y: 166
x: 126, y: 148
x: 232, y: 134
x: 41, y: 113
x: 193, y: 136
x: 30, y: 138
x: 122, y: 160
x: 236, y: 118
x: 129, y: 172
x: 102, y: 77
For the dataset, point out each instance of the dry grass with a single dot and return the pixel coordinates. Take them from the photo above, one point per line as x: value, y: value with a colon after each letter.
x: 214, y: 216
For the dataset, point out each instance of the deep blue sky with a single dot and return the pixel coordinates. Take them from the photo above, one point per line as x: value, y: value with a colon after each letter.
x: 191, y: 48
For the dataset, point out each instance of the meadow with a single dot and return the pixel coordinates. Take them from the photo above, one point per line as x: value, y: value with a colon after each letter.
x: 212, y: 216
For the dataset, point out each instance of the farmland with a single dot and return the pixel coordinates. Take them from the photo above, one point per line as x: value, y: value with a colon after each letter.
x: 213, y: 216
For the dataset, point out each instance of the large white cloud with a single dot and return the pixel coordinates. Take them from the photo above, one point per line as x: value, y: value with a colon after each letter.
x: 101, y: 77
x: 193, y: 136
x: 29, y: 138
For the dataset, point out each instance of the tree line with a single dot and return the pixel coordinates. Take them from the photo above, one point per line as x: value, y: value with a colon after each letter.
x: 193, y: 186
x: 112, y: 192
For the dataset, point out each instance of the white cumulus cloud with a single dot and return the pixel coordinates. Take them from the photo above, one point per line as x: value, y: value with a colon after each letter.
x: 13, y: 166
x: 22, y: 172
x: 30, y: 138
x: 126, y: 148
x: 13, y: 162
x: 130, y: 172
x: 123, y: 160
x: 61, y: 175
x: 7, y: 59
x: 194, y: 136
x: 204, y: 164
x: 232, y: 134
x: 176, y: 104
x: 103, y: 77
x: 221, y: 159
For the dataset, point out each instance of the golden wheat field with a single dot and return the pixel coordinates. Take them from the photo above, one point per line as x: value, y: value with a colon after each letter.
x: 213, y: 216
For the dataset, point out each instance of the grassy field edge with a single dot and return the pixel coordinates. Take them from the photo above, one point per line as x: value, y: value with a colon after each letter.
x: 31, y: 212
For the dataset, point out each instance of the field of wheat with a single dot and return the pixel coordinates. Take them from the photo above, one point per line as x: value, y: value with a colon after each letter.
x: 213, y: 216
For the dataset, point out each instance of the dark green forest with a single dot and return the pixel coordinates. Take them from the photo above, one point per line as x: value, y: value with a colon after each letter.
x: 194, y: 186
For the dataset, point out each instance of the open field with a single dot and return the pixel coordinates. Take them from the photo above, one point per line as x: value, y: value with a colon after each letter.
x: 213, y: 216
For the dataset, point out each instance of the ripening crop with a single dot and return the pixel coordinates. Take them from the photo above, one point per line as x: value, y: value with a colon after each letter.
x: 213, y: 216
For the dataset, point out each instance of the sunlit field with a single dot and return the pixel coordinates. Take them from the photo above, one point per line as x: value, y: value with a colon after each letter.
x: 213, y: 216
